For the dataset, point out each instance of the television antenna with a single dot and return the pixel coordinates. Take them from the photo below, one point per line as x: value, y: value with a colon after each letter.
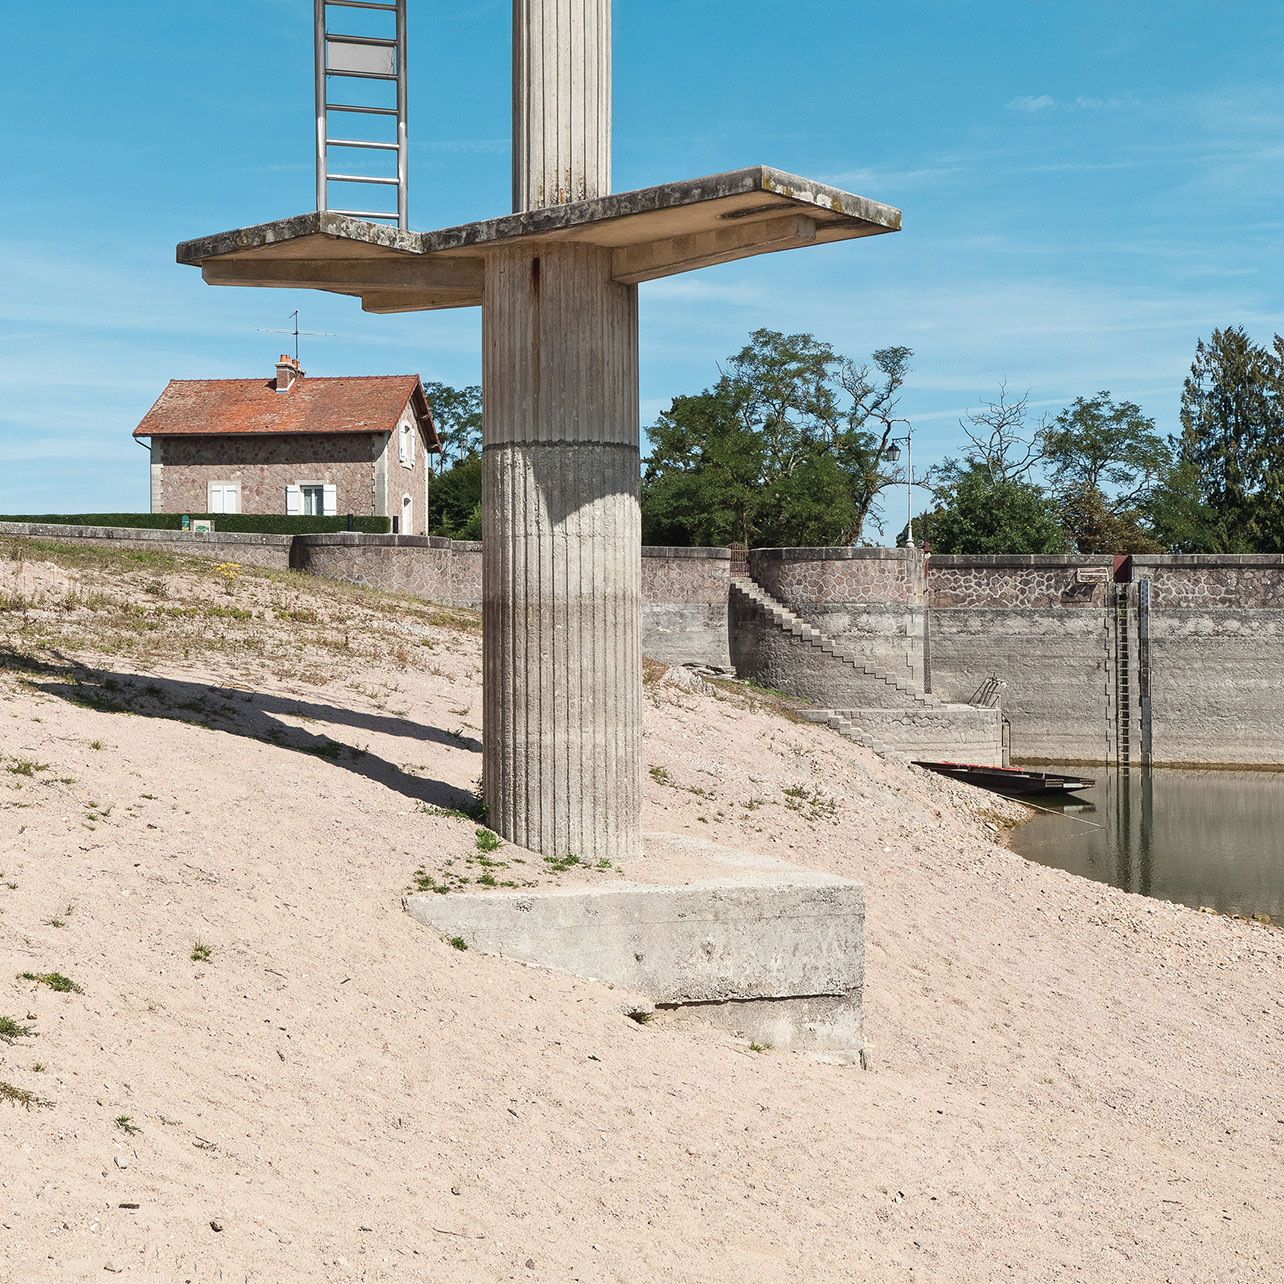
x: 294, y: 316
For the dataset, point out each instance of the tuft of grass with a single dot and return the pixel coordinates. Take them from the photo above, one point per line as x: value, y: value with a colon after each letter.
x: 54, y: 980
x: 760, y: 1047
x: 201, y: 953
x: 126, y: 1125
x: 26, y: 767
x: 560, y: 864
x: 660, y: 776
x: 21, y: 1097
x: 457, y: 943
x: 95, y: 744
x: 11, y: 1030
x: 641, y: 1016
x: 488, y: 840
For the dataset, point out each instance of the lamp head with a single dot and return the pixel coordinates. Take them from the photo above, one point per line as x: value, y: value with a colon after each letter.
x: 892, y: 454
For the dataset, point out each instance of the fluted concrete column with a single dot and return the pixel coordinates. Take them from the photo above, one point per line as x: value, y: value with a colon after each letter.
x: 561, y: 101
x: 562, y: 553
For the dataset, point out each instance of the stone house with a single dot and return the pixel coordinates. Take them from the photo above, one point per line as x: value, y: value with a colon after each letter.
x: 293, y: 445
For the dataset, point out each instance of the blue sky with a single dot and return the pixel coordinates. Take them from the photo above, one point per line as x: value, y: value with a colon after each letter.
x: 1088, y: 187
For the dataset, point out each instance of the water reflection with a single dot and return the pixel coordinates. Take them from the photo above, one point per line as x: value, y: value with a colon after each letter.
x: 1197, y: 837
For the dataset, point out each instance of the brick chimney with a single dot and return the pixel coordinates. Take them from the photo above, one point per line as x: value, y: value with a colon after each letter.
x: 287, y: 371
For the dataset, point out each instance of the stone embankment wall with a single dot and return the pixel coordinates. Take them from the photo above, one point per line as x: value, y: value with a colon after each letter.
x: 868, y: 600
x: 1216, y: 629
x: 1041, y: 625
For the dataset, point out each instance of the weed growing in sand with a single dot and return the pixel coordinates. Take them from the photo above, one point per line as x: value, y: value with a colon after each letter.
x: 560, y: 864
x: 54, y: 980
x: 126, y: 1125
x: 660, y: 776
x: 55, y: 922
x: 95, y: 744
x: 811, y: 804
x: 641, y: 1016
x: 488, y: 840
x: 26, y: 767
x: 228, y: 572
x: 457, y: 943
x: 21, y: 1097
x: 760, y: 1047
x: 38, y: 1068
x: 11, y: 1030
x: 156, y: 588
x: 202, y: 953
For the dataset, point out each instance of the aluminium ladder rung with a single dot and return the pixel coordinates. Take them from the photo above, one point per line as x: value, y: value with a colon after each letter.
x: 365, y: 213
x: 361, y: 4
x: 356, y: 142
x: 363, y: 75
x: 362, y: 178
x: 381, y: 42
x: 365, y: 111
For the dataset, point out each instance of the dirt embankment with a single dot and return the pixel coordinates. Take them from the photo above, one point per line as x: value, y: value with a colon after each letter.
x: 216, y: 787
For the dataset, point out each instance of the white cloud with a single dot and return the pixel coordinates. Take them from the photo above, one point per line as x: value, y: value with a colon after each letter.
x: 1030, y: 104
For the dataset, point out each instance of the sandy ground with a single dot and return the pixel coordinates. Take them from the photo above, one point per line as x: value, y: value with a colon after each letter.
x: 1070, y: 1083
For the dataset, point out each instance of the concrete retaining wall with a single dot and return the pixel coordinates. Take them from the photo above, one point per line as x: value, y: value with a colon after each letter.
x: 952, y: 733
x: 424, y: 566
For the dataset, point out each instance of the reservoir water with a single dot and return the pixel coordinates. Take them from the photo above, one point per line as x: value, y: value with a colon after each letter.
x: 1212, y: 838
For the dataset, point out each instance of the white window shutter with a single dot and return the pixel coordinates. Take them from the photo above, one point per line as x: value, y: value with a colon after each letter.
x: 401, y: 444
x: 331, y: 501
x: 293, y: 501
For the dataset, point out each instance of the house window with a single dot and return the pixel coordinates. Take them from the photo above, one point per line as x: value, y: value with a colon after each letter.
x: 407, y: 446
x: 223, y: 497
x: 312, y: 499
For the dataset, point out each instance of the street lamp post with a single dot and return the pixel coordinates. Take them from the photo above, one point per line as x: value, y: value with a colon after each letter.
x: 893, y: 456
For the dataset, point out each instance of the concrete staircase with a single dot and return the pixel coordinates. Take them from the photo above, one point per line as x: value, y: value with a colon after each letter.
x: 781, y: 615
x: 891, y: 715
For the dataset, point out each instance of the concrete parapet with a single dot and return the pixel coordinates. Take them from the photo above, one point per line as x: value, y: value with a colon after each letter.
x: 228, y: 546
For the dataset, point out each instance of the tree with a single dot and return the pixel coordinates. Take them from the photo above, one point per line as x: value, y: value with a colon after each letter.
x: 1104, y: 460
x: 455, y: 500
x: 457, y: 412
x: 985, y: 513
x: 1232, y: 417
x: 786, y: 448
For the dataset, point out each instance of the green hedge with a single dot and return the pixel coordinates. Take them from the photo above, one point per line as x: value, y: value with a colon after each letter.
x: 236, y: 523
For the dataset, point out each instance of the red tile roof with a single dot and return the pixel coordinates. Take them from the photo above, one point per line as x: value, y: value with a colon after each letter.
x: 365, y: 403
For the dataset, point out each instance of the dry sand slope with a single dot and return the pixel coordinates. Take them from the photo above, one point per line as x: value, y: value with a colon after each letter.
x: 1070, y: 1083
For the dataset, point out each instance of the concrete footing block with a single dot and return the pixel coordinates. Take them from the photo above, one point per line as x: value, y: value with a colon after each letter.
x: 776, y: 955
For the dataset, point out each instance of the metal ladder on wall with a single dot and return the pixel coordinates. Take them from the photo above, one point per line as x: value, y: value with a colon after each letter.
x: 1123, y: 679
x: 370, y: 65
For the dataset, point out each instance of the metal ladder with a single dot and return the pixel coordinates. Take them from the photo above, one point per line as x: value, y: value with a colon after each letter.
x: 1123, y: 679
x: 378, y: 60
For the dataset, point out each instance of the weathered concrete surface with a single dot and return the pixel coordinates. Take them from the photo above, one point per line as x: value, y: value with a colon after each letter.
x: 947, y: 733
x: 561, y: 101
x: 650, y: 233
x: 561, y: 554
x: 773, y: 952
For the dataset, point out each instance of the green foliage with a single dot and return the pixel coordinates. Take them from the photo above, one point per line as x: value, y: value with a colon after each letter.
x: 54, y: 980
x: 11, y: 1030
x: 232, y: 523
x: 487, y: 840
x: 984, y: 514
x: 1232, y: 417
x: 785, y: 449
x: 457, y: 412
x: 455, y: 500
x: 21, y: 1097
x: 201, y: 953
x: 1106, y: 461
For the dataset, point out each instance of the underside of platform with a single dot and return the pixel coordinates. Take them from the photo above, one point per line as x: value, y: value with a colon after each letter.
x: 651, y: 233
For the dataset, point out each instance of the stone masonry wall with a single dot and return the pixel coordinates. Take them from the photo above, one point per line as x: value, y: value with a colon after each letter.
x: 424, y: 566
x: 870, y: 600
x: 684, y: 605
x: 265, y: 465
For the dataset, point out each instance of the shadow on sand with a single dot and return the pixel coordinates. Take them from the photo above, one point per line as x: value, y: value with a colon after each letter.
x: 255, y: 715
